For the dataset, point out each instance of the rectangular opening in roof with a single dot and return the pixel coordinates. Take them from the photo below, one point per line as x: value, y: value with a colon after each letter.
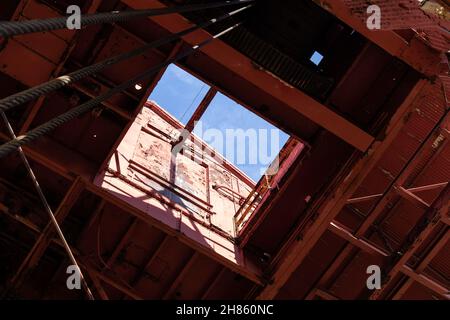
x: 179, y: 93
x: 240, y: 136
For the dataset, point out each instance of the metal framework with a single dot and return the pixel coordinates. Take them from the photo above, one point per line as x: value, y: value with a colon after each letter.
x: 349, y: 207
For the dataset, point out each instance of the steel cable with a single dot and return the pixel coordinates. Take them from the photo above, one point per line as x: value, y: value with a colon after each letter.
x: 62, y: 81
x: 14, y: 28
x: 48, y: 209
x: 41, y: 130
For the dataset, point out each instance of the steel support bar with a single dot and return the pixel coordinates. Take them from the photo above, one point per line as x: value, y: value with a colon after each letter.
x: 325, y: 295
x: 423, y: 265
x: 426, y: 282
x: 44, y: 239
x: 123, y: 240
x: 407, y: 195
x: 14, y: 28
x: 242, y: 66
x: 180, y: 276
x: 14, y: 144
x: 47, y: 207
x: 201, y: 109
x: 433, y: 216
x: 357, y: 242
x: 113, y: 283
x: 22, y: 97
x: 213, y: 284
x: 150, y: 260
x: 411, y: 190
x: 98, y: 286
x: 295, y: 251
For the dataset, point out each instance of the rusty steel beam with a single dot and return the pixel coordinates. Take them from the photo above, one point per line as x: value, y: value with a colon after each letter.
x: 150, y: 260
x: 213, y: 284
x: 44, y: 239
x: 403, y: 176
x: 411, y: 190
x: 433, y: 216
x: 91, y: 271
x: 416, y: 53
x: 244, y: 67
x: 423, y: 265
x: 411, y: 197
x: 426, y: 282
x: 180, y: 276
x: 122, y: 242
x: 325, y: 295
x: 357, y: 242
x: 385, y: 198
x: 201, y: 109
x: 295, y: 251
x: 113, y: 283
x: 97, y: 285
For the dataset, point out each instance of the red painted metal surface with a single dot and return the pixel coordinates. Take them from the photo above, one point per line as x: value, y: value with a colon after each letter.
x: 144, y: 227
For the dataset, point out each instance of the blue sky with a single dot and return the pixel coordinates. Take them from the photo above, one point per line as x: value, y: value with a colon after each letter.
x: 180, y: 93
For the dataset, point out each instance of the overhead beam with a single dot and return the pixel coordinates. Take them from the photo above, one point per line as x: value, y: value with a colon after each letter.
x: 123, y: 240
x: 423, y: 265
x: 295, y: 251
x: 433, y: 216
x: 44, y: 239
x: 411, y: 190
x: 201, y: 109
x: 427, y: 282
x: 411, y: 197
x: 357, y: 242
x: 325, y: 295
x: 180, y: 276
x: 241, y: 65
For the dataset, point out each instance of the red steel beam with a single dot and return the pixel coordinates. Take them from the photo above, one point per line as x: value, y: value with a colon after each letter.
x: 97, y: 285
x: 43, y: 241
x: 357, y: 242
x: 325, y: 295
x: 438, y: 210
x: 295, y: 251
x: 411, y: 197
x: 412, y: 190
x: 426, y: 282
x: 213, y: 284
x: 201, y: 109
x: 150, y: 260
x: 110, y: 281
x: 423, y: 265
x: 181, y: 276
x: 343, y: 256
x: 123, y: 240
x: 244, y: 67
